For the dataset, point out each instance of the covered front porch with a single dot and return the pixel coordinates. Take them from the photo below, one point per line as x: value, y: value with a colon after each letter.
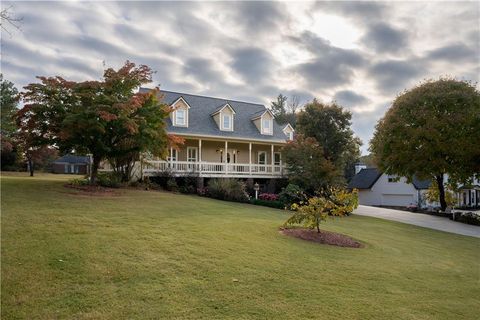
x: 205, y: 157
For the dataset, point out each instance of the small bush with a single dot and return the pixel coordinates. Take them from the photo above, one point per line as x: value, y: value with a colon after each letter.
x: 172, y: 185
x: 292, y: 194
x: 78, y: 182
x: 227, y: 189
x: 468, y: 217
x: 267, y: 203
x: 268, y: 196
x: 188, y: 189
x: 202, y: 191
x: 109, y: 179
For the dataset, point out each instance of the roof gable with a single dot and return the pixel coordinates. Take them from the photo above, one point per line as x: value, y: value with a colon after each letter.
x: 181, y: 99
x: 365, y: 179
x: 226, y: 105
x: 288, y: 127
x: 261, y: 113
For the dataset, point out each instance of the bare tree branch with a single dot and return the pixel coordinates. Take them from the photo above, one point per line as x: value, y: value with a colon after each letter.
x: 8, y: 19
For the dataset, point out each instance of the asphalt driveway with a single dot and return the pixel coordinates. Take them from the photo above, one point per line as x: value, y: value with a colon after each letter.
x: 418, y: 219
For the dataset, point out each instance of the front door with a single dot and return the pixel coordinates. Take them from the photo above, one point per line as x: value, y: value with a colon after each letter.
x: 262, y: 160
x: 277, y: 161
x: 192, y: 156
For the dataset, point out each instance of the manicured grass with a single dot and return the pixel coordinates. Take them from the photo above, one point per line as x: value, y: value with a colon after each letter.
x: 154, y: 255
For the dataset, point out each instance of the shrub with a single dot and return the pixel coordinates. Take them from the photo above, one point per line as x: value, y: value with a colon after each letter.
x: 268, y: 196
x: 468, y: 217
x: 292, y: 194
x: 227, y: 189
x: 78, y: 182
x: 268, y: 203
x: 172, y: 185
x: 202, y: 191
x: 109, y: 179
x: 317, y: 209
x: 188, y: 189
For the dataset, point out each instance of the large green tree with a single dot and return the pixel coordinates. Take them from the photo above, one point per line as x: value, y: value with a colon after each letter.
x: 9, y: 98
x: 330, y: 125
x: 307, y: 165
x: 107, y: 118
x: 429, y: 131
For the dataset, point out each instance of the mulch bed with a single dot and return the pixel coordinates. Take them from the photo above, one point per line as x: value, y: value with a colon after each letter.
x: 93, y: 190
x: 324, y: 237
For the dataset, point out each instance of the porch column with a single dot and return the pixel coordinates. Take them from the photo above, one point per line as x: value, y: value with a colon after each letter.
x: 271, y: 158
x: 225, y: 156
x: 250, y: 157
x: 171, y: 157
x: 200, y: 155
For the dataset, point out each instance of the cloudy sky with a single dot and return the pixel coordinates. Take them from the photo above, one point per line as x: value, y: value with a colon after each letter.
x: 360, y: 54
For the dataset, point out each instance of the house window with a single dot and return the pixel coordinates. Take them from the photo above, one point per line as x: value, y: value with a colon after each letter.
x: 172, y: 155
x: 180, y: 117
x: 267, y: 126
x: 392, y: 179
x: 290, y: 135
x: 227, y: 122
x: 277, y: 158
x: 262, y: 157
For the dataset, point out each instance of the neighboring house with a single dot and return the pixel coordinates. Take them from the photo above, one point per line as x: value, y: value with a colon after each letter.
x: 469, y: 195
x: 223, y: 138
x: 71, y: 164
x: 378, y: 189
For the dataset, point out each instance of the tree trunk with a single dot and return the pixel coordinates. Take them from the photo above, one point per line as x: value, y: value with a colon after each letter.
x: 318, y: 225
x: 30, y: 166
x: 441, y: 192
x: 95, y: 164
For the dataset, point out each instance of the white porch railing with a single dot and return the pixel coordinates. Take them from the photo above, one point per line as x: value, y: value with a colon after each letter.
x: 210, y: 169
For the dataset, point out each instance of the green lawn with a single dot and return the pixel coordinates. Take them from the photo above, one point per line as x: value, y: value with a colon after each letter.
x: 154, y: 255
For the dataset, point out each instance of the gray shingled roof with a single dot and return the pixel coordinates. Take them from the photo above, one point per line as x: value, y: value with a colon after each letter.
x: 70, y: 158
x: 421, y: 184
x: 365, y: 179
x: 202, y: 123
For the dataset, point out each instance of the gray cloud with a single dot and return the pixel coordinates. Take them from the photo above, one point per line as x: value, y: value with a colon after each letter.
x: 252, y: 50
x: 349, y: 98
x: 253, y: 64
x: 360, y: 11
x: 257, y: 16
x: 393, y: 76
x: 384, y: 38
x: 454, y: 52
x: 331, y: 66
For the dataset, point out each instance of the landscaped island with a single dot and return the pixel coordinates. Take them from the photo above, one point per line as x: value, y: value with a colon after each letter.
x: 148, y: 254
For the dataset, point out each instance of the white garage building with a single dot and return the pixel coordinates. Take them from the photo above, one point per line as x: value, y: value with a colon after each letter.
x: 378, y: 189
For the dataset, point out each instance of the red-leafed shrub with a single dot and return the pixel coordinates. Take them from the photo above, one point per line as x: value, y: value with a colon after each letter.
x: 268, y: 196
x: 202, y: 191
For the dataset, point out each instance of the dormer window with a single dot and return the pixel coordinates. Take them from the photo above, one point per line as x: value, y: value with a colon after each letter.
x: 180, y: 117
x: 224, y: 117
x: 227, y: 122
x: 263, y: 120
x: 267, y: 126
x: 288, y: 130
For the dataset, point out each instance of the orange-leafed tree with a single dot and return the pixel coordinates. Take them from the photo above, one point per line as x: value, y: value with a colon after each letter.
x: 109, y: 119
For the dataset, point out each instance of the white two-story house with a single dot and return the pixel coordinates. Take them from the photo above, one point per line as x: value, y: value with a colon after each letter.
x: 223, y: 138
